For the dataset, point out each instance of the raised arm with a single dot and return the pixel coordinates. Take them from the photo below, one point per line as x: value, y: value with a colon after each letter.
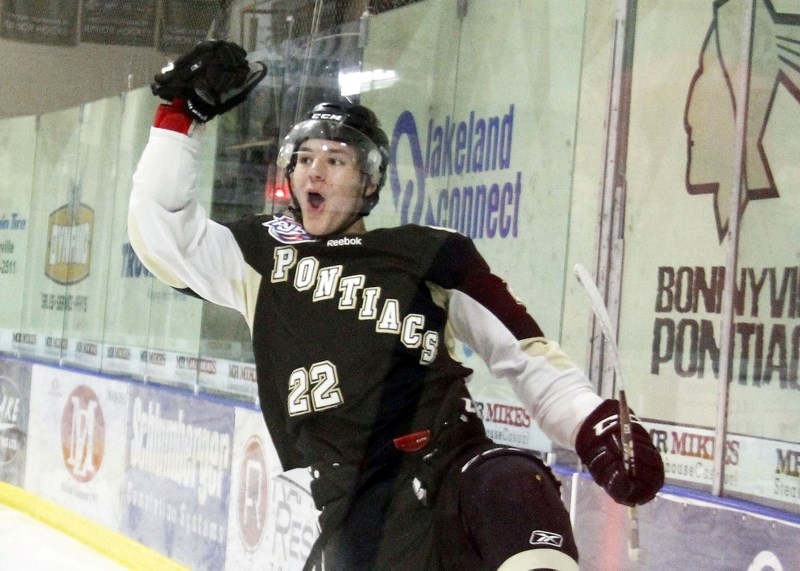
x: 169, y: 231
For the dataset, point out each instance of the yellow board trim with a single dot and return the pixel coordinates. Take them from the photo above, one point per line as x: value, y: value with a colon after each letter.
x: 112, y: 544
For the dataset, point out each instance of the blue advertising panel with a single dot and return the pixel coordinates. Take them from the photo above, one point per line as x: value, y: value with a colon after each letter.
x: 177, y: 481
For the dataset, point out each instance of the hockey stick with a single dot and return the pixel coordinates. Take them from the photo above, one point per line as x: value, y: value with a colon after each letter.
x: 294, y: 483
x: 601, y: 314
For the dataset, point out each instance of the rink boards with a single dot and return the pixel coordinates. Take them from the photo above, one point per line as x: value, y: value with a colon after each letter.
x: 190, y: 477
x: 197, y: 479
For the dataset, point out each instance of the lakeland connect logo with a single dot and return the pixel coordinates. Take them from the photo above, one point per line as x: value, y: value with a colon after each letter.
x: 460, y: 177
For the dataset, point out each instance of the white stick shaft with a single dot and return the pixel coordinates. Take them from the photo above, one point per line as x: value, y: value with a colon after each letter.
x: 601, y: 314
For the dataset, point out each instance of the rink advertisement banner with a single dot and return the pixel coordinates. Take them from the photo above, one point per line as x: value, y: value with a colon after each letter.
x: 679, y: 532
x: 129, y: 297
x: 480, y: 133
x: 509, y: 423
x: 44, y: 22
x: 17, y: 152
x: 79, y: 235
x: 56, y: 256
x: 271, y: 517
x: 293, y: 518
x: 476, y: 150
x: 766, y: 471
x: 235, y: 377
x: 76, y: 444
x: 119, y: 22
x: 15, y: 388
x: 166, y: 321
x: 678, y: 212
x: 177, y: 480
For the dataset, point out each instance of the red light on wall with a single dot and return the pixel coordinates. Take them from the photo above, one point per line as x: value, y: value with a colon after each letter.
x: 277, y: 193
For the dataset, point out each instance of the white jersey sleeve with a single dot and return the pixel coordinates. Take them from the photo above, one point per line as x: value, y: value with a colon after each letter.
x: 172, y: 234
x: 554, y: 390
x: 484, y: 314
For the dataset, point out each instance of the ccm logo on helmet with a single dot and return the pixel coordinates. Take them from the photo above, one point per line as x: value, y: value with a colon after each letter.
x: 332, y: 116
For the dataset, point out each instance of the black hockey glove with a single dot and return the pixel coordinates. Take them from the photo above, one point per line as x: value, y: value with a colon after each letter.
x: 212, y: 78
x: 599, y: 446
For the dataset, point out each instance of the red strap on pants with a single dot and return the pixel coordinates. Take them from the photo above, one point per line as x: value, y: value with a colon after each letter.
x: 413, y: 442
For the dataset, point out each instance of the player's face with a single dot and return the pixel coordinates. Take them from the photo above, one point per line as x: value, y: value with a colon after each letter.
x: 329, y: 187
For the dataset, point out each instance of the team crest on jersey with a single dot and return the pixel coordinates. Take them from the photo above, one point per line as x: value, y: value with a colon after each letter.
x: 287, y: 230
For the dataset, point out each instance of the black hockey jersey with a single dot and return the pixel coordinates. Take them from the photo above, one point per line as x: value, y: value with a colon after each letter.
x: 354, y: 351
x: 352, y: 335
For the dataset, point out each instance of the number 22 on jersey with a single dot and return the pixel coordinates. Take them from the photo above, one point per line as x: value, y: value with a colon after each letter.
x: 314, y: 389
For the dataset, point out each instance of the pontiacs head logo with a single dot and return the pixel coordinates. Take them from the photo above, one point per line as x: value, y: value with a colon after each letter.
x: 772, y: 76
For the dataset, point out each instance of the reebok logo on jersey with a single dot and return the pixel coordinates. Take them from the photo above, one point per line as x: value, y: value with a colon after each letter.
x: 346, y: 241
x: 540, y: 537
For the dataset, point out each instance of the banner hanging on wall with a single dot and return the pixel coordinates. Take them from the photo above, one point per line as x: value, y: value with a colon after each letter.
x: 676, y: 350
x: 187, y: 22
x: 119, y: 22
x: 45, y: 22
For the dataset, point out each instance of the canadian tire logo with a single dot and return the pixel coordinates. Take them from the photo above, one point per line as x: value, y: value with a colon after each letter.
x: 82, y: 434
x: 252, y: 499
x: 772, y: 76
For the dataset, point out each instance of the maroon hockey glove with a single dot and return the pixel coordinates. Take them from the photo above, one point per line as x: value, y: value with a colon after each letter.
x: 599, y: 446
x: 212, y: 78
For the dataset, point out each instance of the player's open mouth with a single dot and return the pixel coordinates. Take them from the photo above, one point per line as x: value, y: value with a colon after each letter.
x: 315, y: 200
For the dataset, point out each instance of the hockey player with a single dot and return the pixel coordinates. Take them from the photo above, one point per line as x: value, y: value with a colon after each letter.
x: 351, y: 329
